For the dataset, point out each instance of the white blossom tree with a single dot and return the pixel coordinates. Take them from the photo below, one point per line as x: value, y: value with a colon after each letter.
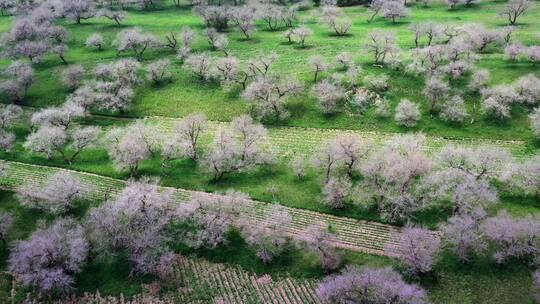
x: 158, y: 71
x: 407, y: 113
x: 328, y: 96
x: 242, y: 148
x: 136, y: 41
x: 514, y: 9
x: 95, y: 41
x: 128, y: 147
x: 381, y: 45
x: 268, y: 95
x: 185, y: 140
x: 244, y: 19
x: 392, y: 9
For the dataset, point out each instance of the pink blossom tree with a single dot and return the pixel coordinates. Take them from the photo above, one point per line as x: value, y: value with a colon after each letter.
x: 527, y: 88
x: 269, y: 237
x: 318, y: 65
x: 390, y: 177
x: 407, y: 113
x: 536, y: 285
x: 76, y: 10
x: 200, y: 65
x: 328, y: 96
x: 73, y: 76
x: 534, y: 119
x: 8, y: 115
x: 463, y: 177
x: 56, y: 195
x: 462, y: 234
x: 54, y: 140
x: 6, y: 222
x: 436, y: 91
x: 497, y: 101
x: 50, y: 258
x: 134, y: 222
x: 210, y: 218
x: 318, y: 239
x: 417, y: 250
x: 367, y: 285
x: 336, y: 192
x: 20, y: 79
x: 508, y: 237
x: 523, y: 176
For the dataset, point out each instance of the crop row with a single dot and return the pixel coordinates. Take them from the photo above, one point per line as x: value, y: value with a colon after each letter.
x: 287, y: 141
x: 352, y: 234
x: 231, y: 285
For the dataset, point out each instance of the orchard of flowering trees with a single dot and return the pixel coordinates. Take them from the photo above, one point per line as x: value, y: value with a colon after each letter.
x: 390, y: 148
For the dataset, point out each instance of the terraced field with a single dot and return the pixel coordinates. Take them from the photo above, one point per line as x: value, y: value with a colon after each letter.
x: 356, y: 235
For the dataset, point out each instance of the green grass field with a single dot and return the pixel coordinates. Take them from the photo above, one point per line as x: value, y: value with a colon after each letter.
x: 480, y: 281
x: 187, y: 94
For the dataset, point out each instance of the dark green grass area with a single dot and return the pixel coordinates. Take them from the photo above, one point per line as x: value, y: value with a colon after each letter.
x: 187, y: 94
x: 479, y: 281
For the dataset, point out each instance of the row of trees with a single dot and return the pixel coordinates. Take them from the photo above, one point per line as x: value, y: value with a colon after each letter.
x: 77, y: 10
x: 141, y: 222
x: 400, y: 179
x: 449, y: 51
x: 418, y: 250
